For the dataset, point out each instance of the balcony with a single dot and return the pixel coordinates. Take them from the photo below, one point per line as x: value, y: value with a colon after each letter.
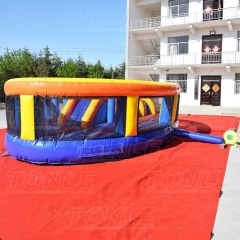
x: 145, y: 23
x: 147, y: 60
x: 189, y: 18
x: 180, y: 19
x: 221, y: 13
x: 199, y: 59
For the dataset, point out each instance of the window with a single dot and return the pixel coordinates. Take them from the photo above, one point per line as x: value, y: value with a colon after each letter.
x: 149, y: 115
x: 71, y: 118
x: 155, y: 113
x: 238, y: 41
x: 212, y: 10
x: 180, y: 79
x: 237, y: 83
x: 13, y: 115
x: 178, y: 45
x: 178, y: 8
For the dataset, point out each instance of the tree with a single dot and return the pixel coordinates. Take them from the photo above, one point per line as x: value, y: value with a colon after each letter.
x: 115, y: 73
x: 96, y: 71
x: 119, y: 72
x: 42, y: 69
x: 26, y: 63
x: 108, y: 72
x: 82, y: 68
x: 68, y: 69
x: 15, y: 64
x: 56, y: 63
x: 46, y: 64
x: 22, y: 63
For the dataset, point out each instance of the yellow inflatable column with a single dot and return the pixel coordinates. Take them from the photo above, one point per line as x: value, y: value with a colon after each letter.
x: 174, y: 111
x: 131, y: 116
x: 27, y: 117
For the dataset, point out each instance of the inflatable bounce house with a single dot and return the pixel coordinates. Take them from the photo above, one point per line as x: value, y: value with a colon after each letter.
x: 72, y: 121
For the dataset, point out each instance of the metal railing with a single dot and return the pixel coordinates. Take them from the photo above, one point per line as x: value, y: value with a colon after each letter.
x: 145, y: 23
x: 155, y: 77
x: 213, y: 15
x: 155, y: 46
x: 179, y: 19
x: 194, y: 17
x: 211, y: 58
x: 143, y: 60
x: 186, y: 59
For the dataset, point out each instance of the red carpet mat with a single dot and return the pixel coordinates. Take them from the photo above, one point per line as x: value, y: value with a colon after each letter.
x: 170, y: 194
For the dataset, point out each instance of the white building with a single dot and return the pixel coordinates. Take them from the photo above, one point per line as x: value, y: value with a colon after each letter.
x: 195, y: 43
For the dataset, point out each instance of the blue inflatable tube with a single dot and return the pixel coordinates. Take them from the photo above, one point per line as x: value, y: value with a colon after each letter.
x: 86, y: 151
x: 199, y: 136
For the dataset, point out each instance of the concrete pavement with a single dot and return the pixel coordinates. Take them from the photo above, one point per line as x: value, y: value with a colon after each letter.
x: 227, y: 223
x: 210, y: 110
x: 3, y: 123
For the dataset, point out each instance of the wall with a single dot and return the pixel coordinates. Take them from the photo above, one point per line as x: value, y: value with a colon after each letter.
x: 229, y: 42
x: 139, y: 12
x: 135, y: 47
x: 228, y: 98
x: 230, y: 3
x: 134, y: 11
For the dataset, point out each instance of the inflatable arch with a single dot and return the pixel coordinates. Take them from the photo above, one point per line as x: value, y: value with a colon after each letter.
x: 72, y: 121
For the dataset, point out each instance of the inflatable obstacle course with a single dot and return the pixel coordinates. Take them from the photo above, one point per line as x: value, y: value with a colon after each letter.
x: 72, y: 121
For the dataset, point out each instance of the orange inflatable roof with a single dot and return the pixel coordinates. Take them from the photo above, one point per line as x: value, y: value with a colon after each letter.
x: 80, y: 87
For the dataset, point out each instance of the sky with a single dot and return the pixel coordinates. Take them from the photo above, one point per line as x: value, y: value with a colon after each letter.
x: 93, y: 29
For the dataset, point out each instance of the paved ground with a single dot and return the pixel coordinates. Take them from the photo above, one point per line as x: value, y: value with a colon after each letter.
x: 209, y: 110
x: 3, y: 123
x: 227, y: 223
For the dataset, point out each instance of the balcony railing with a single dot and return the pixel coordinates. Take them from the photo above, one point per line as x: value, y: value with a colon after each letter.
x: 211, y: 58
x: 145, y: 23
x: 179, y: 19
x: 213, y: 15
x: 186, y: 59
x: 164, y: 21
x: 143, y: 60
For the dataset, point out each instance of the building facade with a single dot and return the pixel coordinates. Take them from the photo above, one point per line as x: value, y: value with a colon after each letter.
x: 195, y: 43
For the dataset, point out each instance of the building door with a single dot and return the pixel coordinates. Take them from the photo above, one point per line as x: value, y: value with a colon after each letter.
x: 212, y: 49
x: 211, y: 90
